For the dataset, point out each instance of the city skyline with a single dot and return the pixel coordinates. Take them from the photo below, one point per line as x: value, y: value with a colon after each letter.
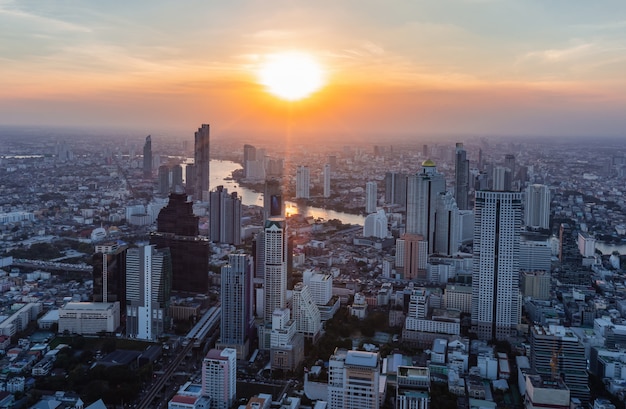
x: 461, y: 67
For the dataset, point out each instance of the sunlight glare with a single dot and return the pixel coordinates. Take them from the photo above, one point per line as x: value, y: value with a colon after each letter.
x: 291, y: 76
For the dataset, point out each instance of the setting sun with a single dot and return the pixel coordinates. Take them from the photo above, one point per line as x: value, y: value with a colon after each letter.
x: 291, y: 76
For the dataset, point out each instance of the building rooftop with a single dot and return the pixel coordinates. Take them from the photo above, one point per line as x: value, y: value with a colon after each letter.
x: 360, y: 358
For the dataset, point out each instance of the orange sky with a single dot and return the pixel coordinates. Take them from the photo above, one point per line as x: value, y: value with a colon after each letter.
x: 393, y: 68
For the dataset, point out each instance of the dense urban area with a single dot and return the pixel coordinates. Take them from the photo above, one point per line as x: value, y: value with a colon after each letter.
x: 203, y: 272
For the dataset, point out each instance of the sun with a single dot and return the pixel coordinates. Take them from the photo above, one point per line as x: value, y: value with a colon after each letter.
x: 291, y: 75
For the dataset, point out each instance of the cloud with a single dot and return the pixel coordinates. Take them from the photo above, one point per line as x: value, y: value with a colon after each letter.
x: 562, y: 54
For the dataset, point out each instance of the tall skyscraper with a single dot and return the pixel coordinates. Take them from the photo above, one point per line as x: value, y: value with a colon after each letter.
x: 249, y: 155
x: 509, y: 163
x: 422, y: 191
x: 164, y: 180
x: 237, y: 304
x: 303, y: 181
x: 496, y: 309
x: 371, y: 197
x: 502, y: 179
x: 275, y: 255
x: 537, y: 207
x: 225, y: 216
x: 109, y: 274
x: 176, y: 179
x: 147, y: 157
x: 395, y: 188
x: 353, y: 380
x: 461, y: 176
x: 219, y: 377
x: 177, y: 229
x: 447, y: 235
x: 326, y: 179
x: 202, y: 163
x: 273, y: 199
x: 148, y: 286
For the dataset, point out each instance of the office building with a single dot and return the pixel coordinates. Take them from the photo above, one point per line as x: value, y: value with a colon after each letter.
x: 219, y: 377
x: 273, y: 205
x: 371, y: 197
x: 375, y: 225
x: 109, y: 274
x: 495, y: 273
x: 305, y: 312
x: 326, y: 180
x: 237, y: 304
x: 177, y: 229
x: 202, y: 163
x: 147, y: 157
x: 461, y: 178
x: 89, y: 318
x: 249, y: 156
x: 225, y: 216
x: 415, y: 257
x: 542, y: 392
x: 536, y: 284
x: 275, y: 258
x: 557, y: 353
x: 447, y: 235
x: 148, y: 287
x: 395, y: 188
x: 502, y: 179
x: 303, y: 182
x: 286, y: 343
x: 509, y: 163
x: 422, y: 191
x: 354, y: 380
x: 412, y: 387
x: 537, y: 207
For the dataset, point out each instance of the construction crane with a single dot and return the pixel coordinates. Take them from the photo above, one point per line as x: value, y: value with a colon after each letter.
x: 554, y: 363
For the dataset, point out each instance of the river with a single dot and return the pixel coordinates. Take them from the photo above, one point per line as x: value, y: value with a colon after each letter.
x: 220, y: 173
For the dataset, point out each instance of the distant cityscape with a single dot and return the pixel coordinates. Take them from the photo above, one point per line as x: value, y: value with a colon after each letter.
x: 210, y: 273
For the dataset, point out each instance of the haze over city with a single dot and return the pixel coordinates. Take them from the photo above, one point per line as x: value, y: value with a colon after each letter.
x: 390, y: 69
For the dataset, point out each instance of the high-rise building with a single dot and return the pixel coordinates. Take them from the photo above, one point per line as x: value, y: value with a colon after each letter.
x: 461, y: 177
x: 415, y: 257
x: 249, y: 155
x: 163, y: 176
x: 537, y: 207
x: 371, y: 197
x: 237, y: 304
x: 275, y: 255
x: 176, y: 179
x: 202, y: 162
x: 190, y: 179
x: 303, y: 181
x: 109, y: 274
x: 509, y: 163
x: 326, y: 179
x: 447, y: 225
x: 177, y: 229
x: 557, y: 353
x: 148, y: 286
x: 219, y: 377
x: 395, y: 188
x: 354, y: 380
x: 273, y: 205
x: 375, y: 225
x: 502, y: 179
x: 225, y: 216
x: 422, y: 191
x: 496, y: 309
x: 147, y: 157
x: 305, y: 312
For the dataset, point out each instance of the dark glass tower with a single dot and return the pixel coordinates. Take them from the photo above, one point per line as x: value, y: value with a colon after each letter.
x: 177, y: 228
x: 147, y: 157
x: 201, y: 161
x: 109, y: 274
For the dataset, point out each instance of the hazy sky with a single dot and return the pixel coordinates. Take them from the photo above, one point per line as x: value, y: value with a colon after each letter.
x: 526, y: 67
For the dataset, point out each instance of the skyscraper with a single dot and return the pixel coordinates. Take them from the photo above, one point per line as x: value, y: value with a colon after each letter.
x: 447, y: 225
x: 148, y: 286
x: 496, y: 308
x: 371, y: 197
x: 273, y: 199
x: 219, y: 377
x: 461, y: 176
x: 326, y: 179
x: 177, y: 229
x: 303, y: 181
x: 395, y: 188
x: 109, y: 274
x: 202, y: 162
x: 147, y: 157
x: 415, y: 257
x: 249, y: 155
x: 537, y: 207
x: 237, y: 303
x: 225, y: 216
x: 305, y: 312
x: 422, y: 191
x: 275, y: 255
